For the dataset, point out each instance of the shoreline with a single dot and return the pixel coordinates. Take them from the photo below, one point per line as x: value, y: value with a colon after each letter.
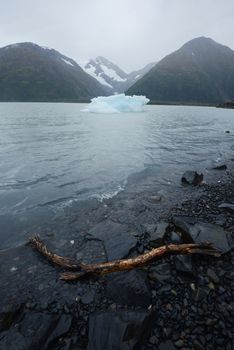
x: 178, y: 302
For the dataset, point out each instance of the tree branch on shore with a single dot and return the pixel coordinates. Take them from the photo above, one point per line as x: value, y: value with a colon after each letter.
x: 80, y: 270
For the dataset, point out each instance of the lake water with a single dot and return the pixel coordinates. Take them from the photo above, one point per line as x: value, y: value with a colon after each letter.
x: 53, y: 155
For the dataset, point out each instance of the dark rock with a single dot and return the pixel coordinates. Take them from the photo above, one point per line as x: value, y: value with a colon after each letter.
x: 168, y: 345
x: 164, y: 289
x: 196, y: 231
x: 220, y: 219
x: 197, y: 345
x: 227, y: 206
x: 212, y: 275
x: 129, y: 288
x: 92, y: 252
x: 155, y: 199
x: 211, y: 322
x: 8, y: 314
x: 201, y: 294
x: 183, y: 264
x: 153, y: 340
x: 159, y: 233
x: 179, y: 343
x: 161, y: 272
x: 13, y: 340
x: 227, y: 131
x: 174, y: 237
x: 117, y: 241
x: 220, y: 167
x: 150, y: 229
x: 192, y: 178
x: 123, y: 330
x: 37, y: 331
x: 88, y: 297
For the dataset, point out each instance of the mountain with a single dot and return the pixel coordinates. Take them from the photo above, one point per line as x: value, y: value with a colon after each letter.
x: 200, y: 72
x: 29, y: 72
x: 111, y: 76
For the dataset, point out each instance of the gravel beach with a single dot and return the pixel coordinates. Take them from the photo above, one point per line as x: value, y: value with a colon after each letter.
x: 177, y: 302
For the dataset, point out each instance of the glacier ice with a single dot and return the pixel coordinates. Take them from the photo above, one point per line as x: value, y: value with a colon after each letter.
x: 116, y: 104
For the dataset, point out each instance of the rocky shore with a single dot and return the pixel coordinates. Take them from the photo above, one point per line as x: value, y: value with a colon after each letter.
x: 178, y: 302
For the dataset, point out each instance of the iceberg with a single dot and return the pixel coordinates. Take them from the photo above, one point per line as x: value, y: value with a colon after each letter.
x: 117, y: 104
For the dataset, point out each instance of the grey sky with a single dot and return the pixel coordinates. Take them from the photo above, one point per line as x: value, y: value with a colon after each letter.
x: 131, y: 33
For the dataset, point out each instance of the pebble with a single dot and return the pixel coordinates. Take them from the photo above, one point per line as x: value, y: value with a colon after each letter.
x: 211, y: 285
x: 210, y: 322
x: 212, y: 275
x: 153, y: 340
x: 179, y: 343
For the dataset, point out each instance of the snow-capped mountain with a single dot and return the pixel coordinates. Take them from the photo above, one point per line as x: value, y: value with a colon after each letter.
x: 113, y: 78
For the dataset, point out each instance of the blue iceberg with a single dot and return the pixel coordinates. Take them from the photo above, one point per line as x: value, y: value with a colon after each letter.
x: 117, y: 104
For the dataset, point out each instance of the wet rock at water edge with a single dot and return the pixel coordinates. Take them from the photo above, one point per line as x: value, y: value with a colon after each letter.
x: 155, y: 199
x: 192, y: 178
x: 123, y: 330
x: 227, y: 206
x: 196, y: 231
x: 115, y: 237
x: 129, y: 288
x: 220, y: 167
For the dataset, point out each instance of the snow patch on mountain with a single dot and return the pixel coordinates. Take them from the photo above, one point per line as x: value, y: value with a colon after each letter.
x: 67, y: 62
x: 112, y: 76
x: 92, y: 71
x: 111, y: 73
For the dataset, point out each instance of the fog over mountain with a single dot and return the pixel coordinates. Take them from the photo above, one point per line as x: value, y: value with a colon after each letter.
x: 130, y: 33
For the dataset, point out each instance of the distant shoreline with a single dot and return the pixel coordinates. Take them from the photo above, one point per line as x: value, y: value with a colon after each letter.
x: 150, y: 103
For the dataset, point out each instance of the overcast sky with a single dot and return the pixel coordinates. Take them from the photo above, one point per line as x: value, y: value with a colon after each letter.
x: 130, y: 33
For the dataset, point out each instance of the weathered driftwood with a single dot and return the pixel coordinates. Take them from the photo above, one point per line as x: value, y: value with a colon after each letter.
x: 83, y: 270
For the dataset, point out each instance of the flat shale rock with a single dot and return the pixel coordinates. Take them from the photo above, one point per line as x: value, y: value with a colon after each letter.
x: 117, y: 241
x: 159, y: 233
x: 197, y: 231
x: 129, y: 288
x: 92, y: 252
x: 36, y: 331
x: 123, y: 330
x: 220, y: 167
x: 192, y: 178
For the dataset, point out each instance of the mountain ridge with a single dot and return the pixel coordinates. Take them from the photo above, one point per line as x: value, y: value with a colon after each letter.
x: 29, y: 72
x: 200, y: 72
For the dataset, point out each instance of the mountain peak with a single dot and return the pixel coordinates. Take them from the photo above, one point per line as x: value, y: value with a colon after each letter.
x: 203, y: 43
x: 111, y: 75
x: 200, y: 72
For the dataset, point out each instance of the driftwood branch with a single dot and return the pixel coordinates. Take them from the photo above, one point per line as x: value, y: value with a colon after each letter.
x: 84, y: 270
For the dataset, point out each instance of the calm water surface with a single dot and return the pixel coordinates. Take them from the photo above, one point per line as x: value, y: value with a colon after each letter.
x: 52, y: 155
